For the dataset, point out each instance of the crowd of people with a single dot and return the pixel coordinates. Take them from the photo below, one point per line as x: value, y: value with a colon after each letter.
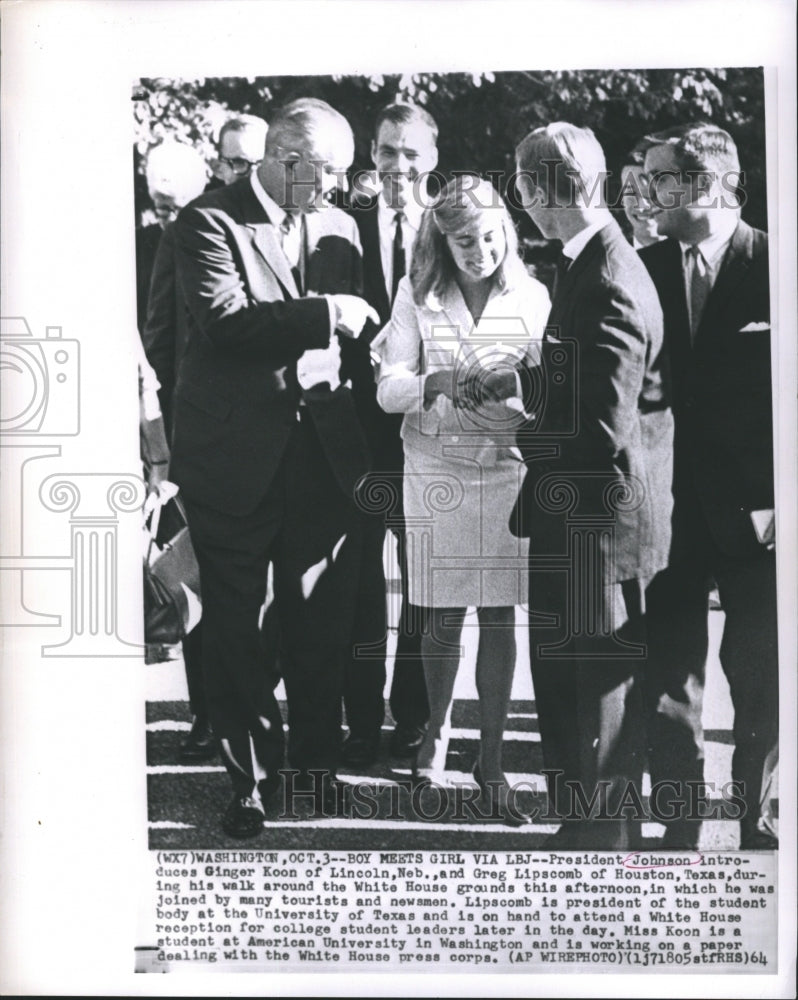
x: 598, y: 452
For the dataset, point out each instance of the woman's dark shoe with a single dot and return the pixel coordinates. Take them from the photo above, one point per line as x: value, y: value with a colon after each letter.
x: 500, y: 800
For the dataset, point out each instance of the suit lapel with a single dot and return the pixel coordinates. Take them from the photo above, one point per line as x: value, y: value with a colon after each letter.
x: 563, y: 295
x: 455, y: 313
x: 266, y: 243
x: 735, y: 263
x: 263, y: 235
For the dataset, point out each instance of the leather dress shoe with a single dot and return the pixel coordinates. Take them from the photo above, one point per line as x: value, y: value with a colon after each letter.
x: 406, y: 740
x: 360, y: 751
x: 596, y: 835
x: 243, y: 817
x: 268, y: 788
x: 330, y: 796
x: 681, y: 836
x: 199, y: 745
x: 758, y: 840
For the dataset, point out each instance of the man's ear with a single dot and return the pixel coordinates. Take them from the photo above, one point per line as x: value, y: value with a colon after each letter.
x: 706, y: 186
x: 374, y: 152
x: 526, y: 188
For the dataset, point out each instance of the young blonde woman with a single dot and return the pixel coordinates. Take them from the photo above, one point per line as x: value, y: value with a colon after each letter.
x: 467, y: 309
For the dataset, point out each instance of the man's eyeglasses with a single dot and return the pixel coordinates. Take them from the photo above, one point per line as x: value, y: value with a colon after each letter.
x: 239, y: 165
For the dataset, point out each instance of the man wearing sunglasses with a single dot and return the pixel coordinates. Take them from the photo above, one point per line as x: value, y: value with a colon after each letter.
x: 241, y: 142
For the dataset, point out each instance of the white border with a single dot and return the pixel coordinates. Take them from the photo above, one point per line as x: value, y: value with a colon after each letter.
x: 73, y: 803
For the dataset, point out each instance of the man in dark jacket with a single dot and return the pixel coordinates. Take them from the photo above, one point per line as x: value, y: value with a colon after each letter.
x: 711, y: 274
x: 596, y: 501
x: 268, y: 450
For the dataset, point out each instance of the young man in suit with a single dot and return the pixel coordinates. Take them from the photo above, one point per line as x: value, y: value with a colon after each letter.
x: 711, y: 274
x: 596, y: 500
x: 268, y: 449
x: 404, y: 151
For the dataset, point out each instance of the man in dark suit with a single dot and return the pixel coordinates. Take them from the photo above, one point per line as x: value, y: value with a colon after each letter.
x: 404, y: 151
x: 268, y: 449
x: 712, y: 278
x: 596, y: 500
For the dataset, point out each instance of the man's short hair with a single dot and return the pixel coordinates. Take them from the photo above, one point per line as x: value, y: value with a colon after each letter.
x: 241, y: 123
x: 699, y: 146
x: 563, y: 160
x: 294, y: 122
x: 403, y: 114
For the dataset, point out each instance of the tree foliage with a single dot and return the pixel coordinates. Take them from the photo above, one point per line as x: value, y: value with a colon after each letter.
x: 481, y: 116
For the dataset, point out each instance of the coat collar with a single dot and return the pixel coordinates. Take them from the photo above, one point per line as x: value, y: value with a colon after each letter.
x: 607, y: 234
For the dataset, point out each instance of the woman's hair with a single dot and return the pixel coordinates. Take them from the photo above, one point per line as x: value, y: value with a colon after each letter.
x: 461, y: 202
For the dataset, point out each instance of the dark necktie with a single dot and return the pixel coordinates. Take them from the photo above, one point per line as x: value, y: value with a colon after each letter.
x: 698, y: 291
x: 398, y: 254
x: 563, y: 263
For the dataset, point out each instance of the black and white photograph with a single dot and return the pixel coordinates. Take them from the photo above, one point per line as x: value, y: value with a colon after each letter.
x: 607, y: 497
x: 398, y: 442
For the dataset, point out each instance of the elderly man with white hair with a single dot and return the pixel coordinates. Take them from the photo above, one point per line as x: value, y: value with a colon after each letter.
x: 268, y: 450
x: 176, y: 173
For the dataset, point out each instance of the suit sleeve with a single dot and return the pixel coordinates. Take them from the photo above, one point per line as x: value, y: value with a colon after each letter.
x: 220, y: 305
x: 609, y: 364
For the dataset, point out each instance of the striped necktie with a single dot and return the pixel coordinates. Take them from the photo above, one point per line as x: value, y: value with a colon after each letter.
x: 293, y: 242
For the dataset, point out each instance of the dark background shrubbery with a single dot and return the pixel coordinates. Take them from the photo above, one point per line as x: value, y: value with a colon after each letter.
x: 481, y: 116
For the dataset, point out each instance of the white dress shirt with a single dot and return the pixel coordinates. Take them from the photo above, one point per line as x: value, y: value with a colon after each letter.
x: 577, y: 243
x: 387, y: 227
x: 712, y: 249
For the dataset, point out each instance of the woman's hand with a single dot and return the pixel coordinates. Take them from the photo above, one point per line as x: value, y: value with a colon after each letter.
x: 438, y: 383
x: 495, y: 386
x: 454, y: 383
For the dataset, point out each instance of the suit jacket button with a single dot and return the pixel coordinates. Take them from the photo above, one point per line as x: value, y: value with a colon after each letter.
x: 455, y: 439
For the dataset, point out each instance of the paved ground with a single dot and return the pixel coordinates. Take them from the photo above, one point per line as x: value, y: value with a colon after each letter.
x: 185, y: 802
